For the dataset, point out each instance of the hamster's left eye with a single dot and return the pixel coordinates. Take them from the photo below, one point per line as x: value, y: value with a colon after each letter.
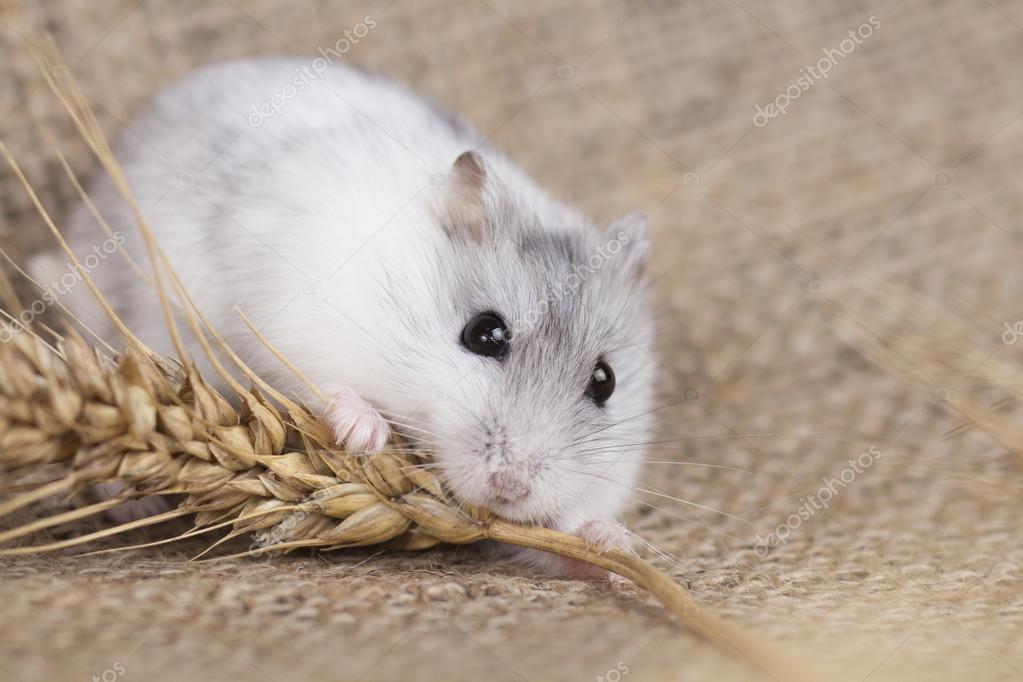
x: 487, y: 334
x: 602, y: 383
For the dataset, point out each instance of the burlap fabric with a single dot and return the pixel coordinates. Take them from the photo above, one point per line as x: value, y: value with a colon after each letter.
x: 900, y: 166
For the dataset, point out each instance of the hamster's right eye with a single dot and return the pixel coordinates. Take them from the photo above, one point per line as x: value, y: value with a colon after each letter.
x: 487, y: 334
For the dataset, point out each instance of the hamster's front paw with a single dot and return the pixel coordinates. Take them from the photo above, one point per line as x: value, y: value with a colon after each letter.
x: 356, y: 424
x: 600, y: 537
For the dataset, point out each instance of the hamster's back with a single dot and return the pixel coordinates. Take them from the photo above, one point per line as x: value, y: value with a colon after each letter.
x: 259, y: 181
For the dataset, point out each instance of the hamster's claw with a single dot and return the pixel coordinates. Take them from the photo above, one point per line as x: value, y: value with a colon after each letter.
x: 355, y: 423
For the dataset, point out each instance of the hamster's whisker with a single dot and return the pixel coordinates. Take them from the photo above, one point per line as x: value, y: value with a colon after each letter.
x: 625, y: 420
x: 628, y: 345
x: 668, y: 557
x: 687, y: 519
x: 423, y: 465
x: 687, y: 439
x: 719, y: 436
x: 405, y: 420
x: 611, y: 446
x: 697, y: 520
x: 459, y: 405
x: 412, y: 427
x: 465, y: 411
x: 707, y: 465
x: 407, y: 423
x: 658, y: 493
x: 472, y: 414
x: 628, y: 299
x: 408, y: 451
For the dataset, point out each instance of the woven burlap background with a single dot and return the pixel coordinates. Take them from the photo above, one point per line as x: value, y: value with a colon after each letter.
x: 903, y: 166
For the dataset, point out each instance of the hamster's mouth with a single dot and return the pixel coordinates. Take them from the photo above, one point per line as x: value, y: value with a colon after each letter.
x: 512, y: 511
x: 467, y: 485
x: 521, y: 510
x: 524, y: 512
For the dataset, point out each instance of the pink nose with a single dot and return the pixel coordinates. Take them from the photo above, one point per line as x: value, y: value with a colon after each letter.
x: 507, y: 486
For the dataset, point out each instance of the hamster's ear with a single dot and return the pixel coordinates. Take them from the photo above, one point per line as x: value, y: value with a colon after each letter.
x: 463, y: 202
x: 629, y: 233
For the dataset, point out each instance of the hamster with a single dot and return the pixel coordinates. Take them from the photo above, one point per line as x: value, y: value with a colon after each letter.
x: 408, y: 268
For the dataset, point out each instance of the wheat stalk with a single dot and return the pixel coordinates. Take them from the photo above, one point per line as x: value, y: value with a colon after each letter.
x: 71, y: 412
x: 933, y: 349
x: 72, y: 416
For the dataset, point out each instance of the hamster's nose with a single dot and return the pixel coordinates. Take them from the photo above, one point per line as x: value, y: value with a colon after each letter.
x: 507, y: 486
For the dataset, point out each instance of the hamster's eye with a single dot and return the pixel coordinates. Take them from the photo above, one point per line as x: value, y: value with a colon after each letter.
x: 487, y: 334
x: 602, y: 383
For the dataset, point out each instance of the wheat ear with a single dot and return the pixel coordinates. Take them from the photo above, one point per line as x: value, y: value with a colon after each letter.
x: 72, y: 417
x: 83, y: 419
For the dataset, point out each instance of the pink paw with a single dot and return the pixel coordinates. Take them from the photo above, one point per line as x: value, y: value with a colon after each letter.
x: 355, y: 423
x: 600, y: 536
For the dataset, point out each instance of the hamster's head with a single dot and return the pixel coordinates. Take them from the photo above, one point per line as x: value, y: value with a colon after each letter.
x: 534, y: 396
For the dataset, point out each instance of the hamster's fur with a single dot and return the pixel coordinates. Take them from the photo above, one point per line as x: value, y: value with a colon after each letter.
x: 344, y: 227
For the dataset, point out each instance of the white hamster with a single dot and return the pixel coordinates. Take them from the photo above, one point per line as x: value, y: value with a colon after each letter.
x: 408, y: 268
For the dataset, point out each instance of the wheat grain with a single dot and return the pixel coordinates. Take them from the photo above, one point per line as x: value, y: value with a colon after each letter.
x: 72, y: 417
x: 86, y: 419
